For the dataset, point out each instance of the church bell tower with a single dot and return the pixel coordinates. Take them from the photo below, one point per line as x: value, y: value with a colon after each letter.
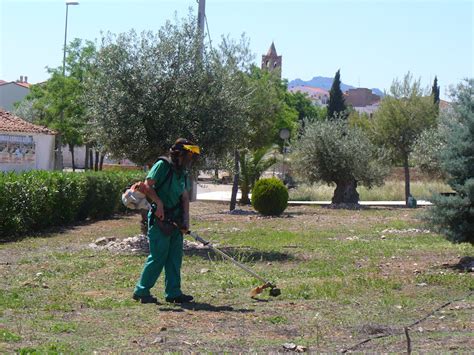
x: 272, y: 61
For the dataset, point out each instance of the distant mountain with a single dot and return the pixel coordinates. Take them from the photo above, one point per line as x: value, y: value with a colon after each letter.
x: 326, y: 83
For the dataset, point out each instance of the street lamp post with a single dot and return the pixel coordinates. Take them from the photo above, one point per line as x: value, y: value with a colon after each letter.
x: 59, y: 158
x: 65, y: 34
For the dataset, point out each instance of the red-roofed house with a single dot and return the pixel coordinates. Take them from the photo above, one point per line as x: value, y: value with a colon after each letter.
x: 24, y: 145
x: 12, y: 92
x: 318, y: 96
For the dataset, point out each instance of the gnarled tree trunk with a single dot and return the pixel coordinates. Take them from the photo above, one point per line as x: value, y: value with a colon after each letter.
x: 346, y: 192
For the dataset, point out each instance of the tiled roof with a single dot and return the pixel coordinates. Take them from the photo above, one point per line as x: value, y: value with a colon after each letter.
x: 309, y: 89
x: 12, y: 123
x: 23, y: 84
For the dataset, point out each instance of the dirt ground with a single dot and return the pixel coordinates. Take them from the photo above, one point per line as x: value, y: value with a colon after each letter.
x: 426, y: 290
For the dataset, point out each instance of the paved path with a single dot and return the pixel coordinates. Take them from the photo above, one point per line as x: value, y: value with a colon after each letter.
x: 222, y: 193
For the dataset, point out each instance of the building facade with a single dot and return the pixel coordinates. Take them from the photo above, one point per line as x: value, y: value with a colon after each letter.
x: 12, y: 92
x: 23, y: 145
x: 360, y: 97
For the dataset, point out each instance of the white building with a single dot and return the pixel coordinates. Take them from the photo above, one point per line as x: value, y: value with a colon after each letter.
x: 24, y: 145
x: 12, y: 92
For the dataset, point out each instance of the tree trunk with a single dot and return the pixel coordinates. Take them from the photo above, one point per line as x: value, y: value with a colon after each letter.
x: 346, y: 192
x: 86, y: 158
x: 216, y: 174
x: 96, y: 164
x: 245, y: 190
x: 91, y: 160
x: 71, y: 149
x: 244, y: 180
x: 407, y: 178
x: 235, y: 185
x: 101, y: 163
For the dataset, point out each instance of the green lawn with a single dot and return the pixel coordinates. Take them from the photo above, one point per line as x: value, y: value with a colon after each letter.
x: 345, y: 276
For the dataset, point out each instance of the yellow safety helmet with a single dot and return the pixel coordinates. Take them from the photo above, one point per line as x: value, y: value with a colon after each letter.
x: 183, y: 145
x: 192, y: 148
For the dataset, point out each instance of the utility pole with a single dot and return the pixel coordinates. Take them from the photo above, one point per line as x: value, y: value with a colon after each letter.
x: 201, y: 19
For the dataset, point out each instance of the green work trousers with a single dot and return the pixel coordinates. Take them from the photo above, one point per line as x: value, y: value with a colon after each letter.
x: 166, y: 251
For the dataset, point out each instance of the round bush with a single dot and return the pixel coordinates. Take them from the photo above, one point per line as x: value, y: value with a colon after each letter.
x: 270, y: 196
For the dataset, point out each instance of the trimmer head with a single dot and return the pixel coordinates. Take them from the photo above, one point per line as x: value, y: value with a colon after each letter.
x: 274, y: 291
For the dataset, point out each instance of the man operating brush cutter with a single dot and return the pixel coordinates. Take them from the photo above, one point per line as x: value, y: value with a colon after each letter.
x: 167, y: 187
x: 168, y: 219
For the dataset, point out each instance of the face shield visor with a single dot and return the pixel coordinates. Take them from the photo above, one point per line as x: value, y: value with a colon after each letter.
x: 192, y: 148
x: 191, y: 154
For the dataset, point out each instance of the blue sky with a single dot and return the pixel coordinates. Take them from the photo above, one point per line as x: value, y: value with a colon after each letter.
x: 371, y: 42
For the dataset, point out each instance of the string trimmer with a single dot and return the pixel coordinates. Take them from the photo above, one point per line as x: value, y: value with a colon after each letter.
x: 274, y: 291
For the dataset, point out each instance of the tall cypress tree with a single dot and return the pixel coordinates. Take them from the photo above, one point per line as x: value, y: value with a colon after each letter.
x: 336, y: 106
x: 435, y: 92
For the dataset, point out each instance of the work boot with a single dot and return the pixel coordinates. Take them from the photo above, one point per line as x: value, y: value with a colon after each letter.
x: 145, y: 299
x: 180, y: 299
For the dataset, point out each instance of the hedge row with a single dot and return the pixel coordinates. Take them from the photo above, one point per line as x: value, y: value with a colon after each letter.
x: 35, y: 200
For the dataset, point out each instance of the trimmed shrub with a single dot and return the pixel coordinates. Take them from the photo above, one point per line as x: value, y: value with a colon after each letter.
x: 32, y: 201
x: 270, y: 196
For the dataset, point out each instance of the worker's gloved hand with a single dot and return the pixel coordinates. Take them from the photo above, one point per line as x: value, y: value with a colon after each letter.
x: 139, y: 186
x: 184, y: 227
x: 160, y: 211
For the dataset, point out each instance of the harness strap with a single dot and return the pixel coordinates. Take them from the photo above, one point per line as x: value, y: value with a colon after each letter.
x: 169, y: 178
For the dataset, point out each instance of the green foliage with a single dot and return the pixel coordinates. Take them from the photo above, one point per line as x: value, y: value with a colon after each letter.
x: 7, y: 336
x: 335, y: 152
x: 252, y: 165
x: 307, y: 112
x: 32, y: 201
x: 269, y: 110
x: 360, y: 120
x: 336, y: 105
x: 454, y: 215
x: 403, y: 115
x: 151, y: 88
x: 435, y: 92
x: 270, y: 196
x: 303, y: 105
x: 58, y: 103
x: 427, y: 149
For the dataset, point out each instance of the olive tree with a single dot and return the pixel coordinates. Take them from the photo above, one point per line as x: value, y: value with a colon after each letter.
x: 336, y: 153
x: 150, y: 88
